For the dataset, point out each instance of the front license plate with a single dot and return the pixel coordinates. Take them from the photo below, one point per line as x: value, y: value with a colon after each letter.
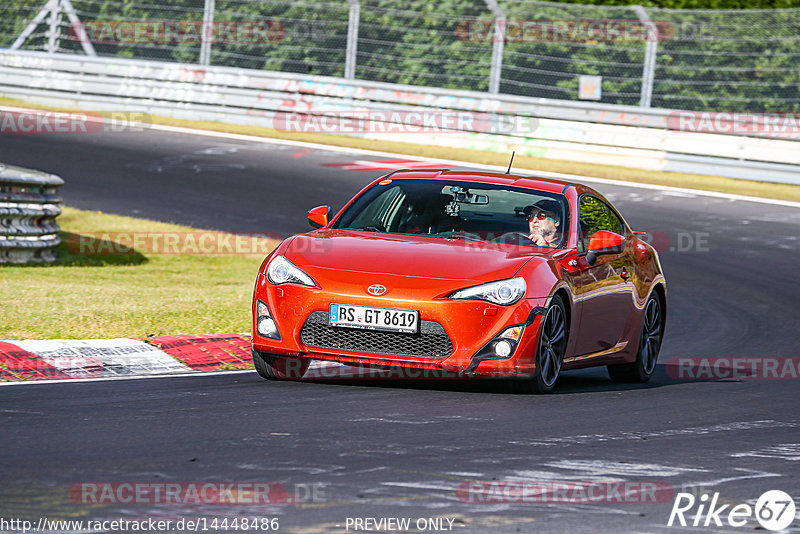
x: 371, y: 318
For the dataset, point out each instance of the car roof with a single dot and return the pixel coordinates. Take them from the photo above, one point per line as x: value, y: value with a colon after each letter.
x: 550, y: 185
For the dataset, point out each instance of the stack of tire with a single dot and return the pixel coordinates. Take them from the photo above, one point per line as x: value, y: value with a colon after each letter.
x: 29, y: 206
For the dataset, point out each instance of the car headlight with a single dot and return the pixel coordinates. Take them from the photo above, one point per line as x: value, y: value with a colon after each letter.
x: 503, y: 292
x: 282, y: 271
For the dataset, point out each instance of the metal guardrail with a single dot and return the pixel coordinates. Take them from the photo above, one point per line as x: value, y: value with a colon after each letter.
x: 627, y: 136
x: 734, y: 59
x: 233, y: 87
x: 29, y: 206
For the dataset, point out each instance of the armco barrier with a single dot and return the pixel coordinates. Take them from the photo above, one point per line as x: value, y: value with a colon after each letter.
x: 587, y: 132
x: 28, y: 210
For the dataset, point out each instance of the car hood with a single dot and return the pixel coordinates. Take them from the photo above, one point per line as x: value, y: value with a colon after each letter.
x: 410, y: 256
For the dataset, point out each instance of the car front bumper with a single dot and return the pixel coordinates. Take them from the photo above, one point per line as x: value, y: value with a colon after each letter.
x: 451, y: 338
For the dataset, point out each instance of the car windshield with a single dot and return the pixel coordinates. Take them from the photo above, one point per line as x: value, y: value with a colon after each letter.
x: 460, y: 210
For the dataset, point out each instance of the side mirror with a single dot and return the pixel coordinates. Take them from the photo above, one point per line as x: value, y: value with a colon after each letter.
x: 604, y: 242
x: 319, y: 216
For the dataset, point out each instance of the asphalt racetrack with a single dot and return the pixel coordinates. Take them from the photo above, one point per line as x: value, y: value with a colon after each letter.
x: 416, y: 449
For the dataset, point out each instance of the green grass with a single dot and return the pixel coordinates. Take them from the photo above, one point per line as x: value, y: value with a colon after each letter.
x: 673, y: 179
x: 126, y: 295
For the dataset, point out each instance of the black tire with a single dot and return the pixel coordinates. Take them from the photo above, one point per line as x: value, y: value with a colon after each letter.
x: 549, y: 352
x: 271, y: 367
x: 643, y: 368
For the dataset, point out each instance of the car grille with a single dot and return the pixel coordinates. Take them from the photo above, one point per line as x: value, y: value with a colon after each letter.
x: 431, y: 341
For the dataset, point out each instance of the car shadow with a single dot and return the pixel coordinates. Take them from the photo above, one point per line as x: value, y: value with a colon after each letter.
x: 78, y: 250
x: 590, y: 380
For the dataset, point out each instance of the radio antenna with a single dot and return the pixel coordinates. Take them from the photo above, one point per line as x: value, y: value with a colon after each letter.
x: 510, y: 162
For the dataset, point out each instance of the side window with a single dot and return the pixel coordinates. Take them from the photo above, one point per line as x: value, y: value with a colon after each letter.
x: 597, y: 215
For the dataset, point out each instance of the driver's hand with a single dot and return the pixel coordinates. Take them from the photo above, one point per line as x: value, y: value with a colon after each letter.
x: 537, y: 239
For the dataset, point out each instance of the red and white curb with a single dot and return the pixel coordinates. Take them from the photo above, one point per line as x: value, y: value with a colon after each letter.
x: 60, y: 359
x: 37, y: 361
x: 217, y: 352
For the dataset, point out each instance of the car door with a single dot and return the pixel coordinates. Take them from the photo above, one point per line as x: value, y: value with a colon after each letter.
x: 603, y: 290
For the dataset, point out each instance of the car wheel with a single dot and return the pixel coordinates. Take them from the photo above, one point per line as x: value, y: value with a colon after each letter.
x: 649, y: 345
x: 549, y: 352
x: 552, y: 344
x: 273, y: 367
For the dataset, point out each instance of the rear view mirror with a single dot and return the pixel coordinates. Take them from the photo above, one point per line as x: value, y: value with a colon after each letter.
x: 464, y: 196
x: 319, y: 216
x: 469, y: 198
x: 604, y: 242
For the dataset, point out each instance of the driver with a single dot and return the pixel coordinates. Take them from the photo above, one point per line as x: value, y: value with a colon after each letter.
x: 543, y: 223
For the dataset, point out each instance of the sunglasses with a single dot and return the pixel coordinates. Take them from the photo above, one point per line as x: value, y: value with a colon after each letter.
x: 541, y: 216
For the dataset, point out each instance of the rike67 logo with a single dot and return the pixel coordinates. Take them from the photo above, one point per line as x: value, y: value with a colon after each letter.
x: 774, y: 510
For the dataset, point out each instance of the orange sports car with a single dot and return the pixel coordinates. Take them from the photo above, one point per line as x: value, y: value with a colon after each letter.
x: 472, y: 273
